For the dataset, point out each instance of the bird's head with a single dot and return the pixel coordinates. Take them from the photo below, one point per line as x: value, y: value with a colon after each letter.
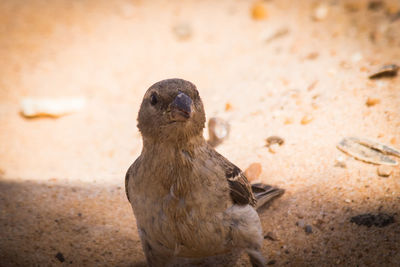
x: 171, y: 110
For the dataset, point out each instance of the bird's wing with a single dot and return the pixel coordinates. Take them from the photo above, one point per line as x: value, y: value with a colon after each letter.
x: 126, y: 184
x: 131, y: 171
x: 240, y: 188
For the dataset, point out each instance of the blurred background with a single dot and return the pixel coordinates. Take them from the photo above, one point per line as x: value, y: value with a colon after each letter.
x: 294, y: 69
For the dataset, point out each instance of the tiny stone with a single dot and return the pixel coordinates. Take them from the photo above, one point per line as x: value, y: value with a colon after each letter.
x: 182, y: 31
x: 300, y: 223
x: 271, y: 262
x: 356, y: 57
x: 273, y: 148
x: 347, y: 200
x: 288, y: 121
x: 320, y: 13
x: 60, y: 257
x: 306, y: 119
x: 258, y: 11
x: 308, y: 229
x: 384, y: 170
x: 372, y: 101
x: 228, y: 106
x: 312, y: 55
x: 340, y: 162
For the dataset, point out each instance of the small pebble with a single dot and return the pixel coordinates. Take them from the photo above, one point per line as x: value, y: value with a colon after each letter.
x: 308, y: 229
x: 253, y: 171
x: 372, y: 101
x: 183, y: 31
x: 312, y: 56
x: 300, y: 223
x: 228, y: 106
x: 273, y: 148
x: 320, y: 13
x: 340, y: 162
x: 259, y: 11
x: 347, y: 200
x: 384, y: 170
x: 306, y: 119
x: 356, y: 57
x: 271, y: 262
x: 393, y: 140
x: 288, y: 121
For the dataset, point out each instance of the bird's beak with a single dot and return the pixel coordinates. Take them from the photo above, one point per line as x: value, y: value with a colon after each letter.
x: 181, y: 107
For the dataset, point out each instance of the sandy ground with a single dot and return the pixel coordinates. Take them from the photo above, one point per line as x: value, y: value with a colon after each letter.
x: 62, y: 197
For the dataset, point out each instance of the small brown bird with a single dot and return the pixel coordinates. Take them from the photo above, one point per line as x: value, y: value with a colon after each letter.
x: 190, y: 203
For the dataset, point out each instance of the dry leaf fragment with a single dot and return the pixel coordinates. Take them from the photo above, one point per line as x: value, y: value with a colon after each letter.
x: 365, y: 153
x: 384, y: 149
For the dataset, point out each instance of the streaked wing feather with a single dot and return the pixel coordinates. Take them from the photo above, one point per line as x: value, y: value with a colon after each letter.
x: 240, y: 188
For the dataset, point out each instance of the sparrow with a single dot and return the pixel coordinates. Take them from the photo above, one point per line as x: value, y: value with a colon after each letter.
x: 189, y: 201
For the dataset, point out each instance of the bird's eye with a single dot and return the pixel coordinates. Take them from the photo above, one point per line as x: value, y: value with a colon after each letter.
x: 153, y: 99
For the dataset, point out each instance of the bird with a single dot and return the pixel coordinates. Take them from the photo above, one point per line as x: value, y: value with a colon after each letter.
x: 189, y: 201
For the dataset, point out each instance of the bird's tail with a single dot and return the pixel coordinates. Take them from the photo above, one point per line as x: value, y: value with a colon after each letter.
x: 265, y: 193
